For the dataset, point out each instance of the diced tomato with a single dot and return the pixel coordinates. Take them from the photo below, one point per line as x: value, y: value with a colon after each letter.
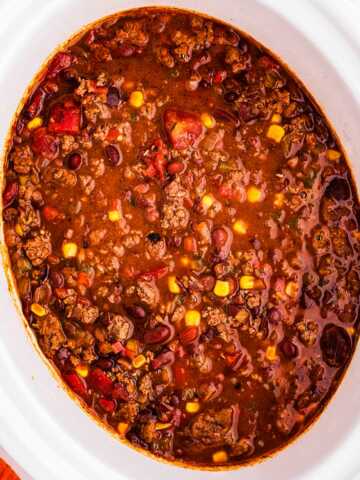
x: 112, y: 134
x: 61, y: 61
x: 45, y: 144
x: 220, y: 76
x: 118, y: 347
x: 50, y: 213
x: 156, y: 159
x: 108, y: 406
x: 100, y: 382
x: 268, y: 63
x: 120, y: 393
x: 155, y: 274
x: 84, y: 279
x: 10, y: 193
x: 65, y: 118
x: 184, y: 129
x: 76, y: 383
x: 189, y: 335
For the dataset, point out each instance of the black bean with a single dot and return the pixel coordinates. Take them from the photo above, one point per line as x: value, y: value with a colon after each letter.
x: 113, y: 97
x: 335, y: 345
x: 154, y: 237
x: 231, y: 96
x: 338, y: 189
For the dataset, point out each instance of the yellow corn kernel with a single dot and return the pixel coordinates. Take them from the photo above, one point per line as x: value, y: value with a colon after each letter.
x: 192, y: 318
x: 185, y: 261
x: 82, y: 370
x: 114, y: 215
x: 35, y: 123
x: 38, y: 309
x: 333, y: 155
x: 173, y: 285
x: 270, y: 353
x: 122, y: 428
x: 242, y: 315
x: 162, y: 426
x: 208, y: 120
x: 220, y: 457
x: 23, y: 179
x: 276, y: 133
x: 136, y: 99
x: 279, y: 200
x: 139, y: 361
x: 19, y: 230
x: 192, y: 407
x: 276, y: 118
x: 292, y: 289
x: 247, y: 282
x: 207, y: 200
x: 222, y: 288
x: 254, y: 194
x: 69, y: 249
x: 350, y: 331
x: 133, y: 345
x: 240, y: 227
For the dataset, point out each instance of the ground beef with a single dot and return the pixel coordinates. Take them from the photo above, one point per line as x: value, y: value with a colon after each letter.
x: 38, y: 248
x: 85, y: 313
x: 213, y: 427
x: 155, y: 249
x: 146, y: 390
x: 120, y: 328
x: 174, y: 216
x: 87, y: 184
x: 308, y: 331
x: 60, y: 176
x: 148, y: 292
x: 52, y: 336
x: 23, y: 159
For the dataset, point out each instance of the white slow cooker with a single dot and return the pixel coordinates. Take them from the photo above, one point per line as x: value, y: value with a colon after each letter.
x: 41, y: 427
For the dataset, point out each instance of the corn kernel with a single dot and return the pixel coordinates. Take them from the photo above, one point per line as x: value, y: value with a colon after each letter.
x: 276, y: 133
x: 220, y: 457
x: 350, y: 331
x: 185, y: 261
x: 139, y: 361
x: 292, y: 289
x: 247, y: 282
x: 240, y: 227
x: 271, y: 353
x: 207, y: 200
x: 279, y: 200
x: 19, y: 230
x: 136, y: 99
x: 254, y: 194
x: 38, y: 310
x: 23, y: 179
x: 69, y: 250
x: 192, y: 407
x: 122, y: 428
x: 276, y: 118
x: 192, y: 318
x: 242, y: 315
x: 222, y: 288
x: 133, y: 346
x: 35, y: 123
x: 208, y: 120
x: 82, y: 370
x: 333, y: 155
x: 114, y: 215
x: 173, y: 285
x: 162, y: 426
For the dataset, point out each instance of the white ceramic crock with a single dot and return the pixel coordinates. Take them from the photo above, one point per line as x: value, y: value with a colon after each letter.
x: 40, y: 426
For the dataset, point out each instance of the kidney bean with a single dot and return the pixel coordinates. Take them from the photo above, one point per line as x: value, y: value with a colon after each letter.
x: 274, y: 316
x: 189, y: 335
x: 113, y: 97
x: 36, y: 104
x: 57, y: 279
x: 125, y: 50
x: 231, y: 97
x: 136, y: 311
x: 104, y: 363
x: 159, y: 334
x: 100, y: 382
x: 10, y: 193
x: 335, y: 345
x: 166, y: 358
x: 114, y: 155
x: 207, y: 283
x: 288, y: 348
x: 222, y: 239
x: 74, y: 161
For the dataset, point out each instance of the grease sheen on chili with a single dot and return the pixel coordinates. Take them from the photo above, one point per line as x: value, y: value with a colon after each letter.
x: 184, y: 234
